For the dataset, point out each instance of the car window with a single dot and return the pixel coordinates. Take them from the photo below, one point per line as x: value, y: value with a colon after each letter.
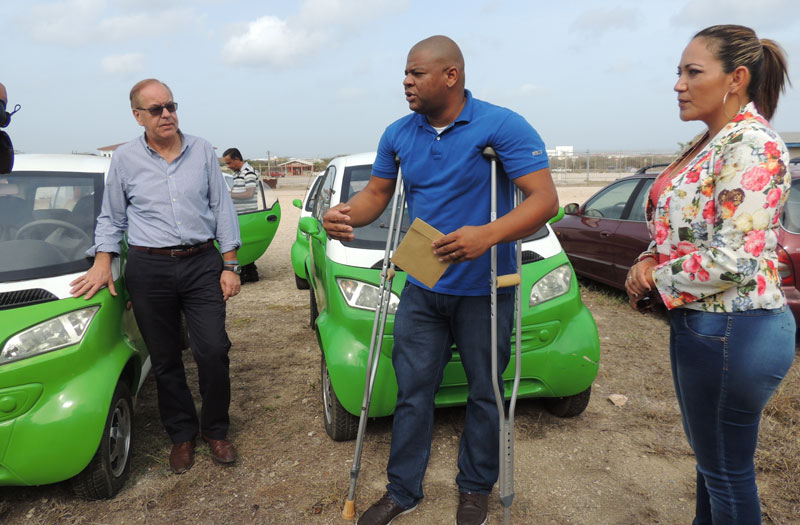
x: 322, y: 200
x: 312, y: 194
x: 610, y: 203
x: 47, y: 223
x: 373, y: 235
x: 637, y: 208
x: 790, y: 217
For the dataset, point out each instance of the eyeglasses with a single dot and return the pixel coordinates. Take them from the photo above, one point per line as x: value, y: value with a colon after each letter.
x: 156, y: 111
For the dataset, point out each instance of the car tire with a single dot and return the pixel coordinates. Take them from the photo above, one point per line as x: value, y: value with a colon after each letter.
x: 301, y: 283
x: 340, y: 424
x: 107, y: 471
x: 568, y: 406
x: 312, y: 307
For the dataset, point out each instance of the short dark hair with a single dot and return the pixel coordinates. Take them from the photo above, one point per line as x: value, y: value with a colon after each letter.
x: 233, y: 153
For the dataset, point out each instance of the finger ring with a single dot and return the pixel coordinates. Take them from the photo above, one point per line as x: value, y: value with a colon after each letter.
x: 629, y: 278
x: 635, y: 295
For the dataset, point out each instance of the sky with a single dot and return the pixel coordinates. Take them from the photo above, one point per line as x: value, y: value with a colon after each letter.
x: 319, y: 78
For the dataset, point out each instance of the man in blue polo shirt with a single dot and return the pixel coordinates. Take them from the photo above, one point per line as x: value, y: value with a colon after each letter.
x: 447, y: 183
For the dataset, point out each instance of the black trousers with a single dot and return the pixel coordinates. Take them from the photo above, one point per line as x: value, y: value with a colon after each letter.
x: 160, y: 288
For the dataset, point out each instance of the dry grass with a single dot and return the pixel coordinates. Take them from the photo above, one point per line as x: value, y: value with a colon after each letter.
x: 778, y: 455
x: 778, y: 452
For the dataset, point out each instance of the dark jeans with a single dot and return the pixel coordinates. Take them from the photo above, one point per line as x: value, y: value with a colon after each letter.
x: 725, y: 367
x: 160, y: 288
x: 425, y: 327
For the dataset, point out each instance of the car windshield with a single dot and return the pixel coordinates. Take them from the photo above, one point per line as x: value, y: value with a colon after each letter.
x: 790, y: 217
x: 47, y: 223
x: 373, y: 235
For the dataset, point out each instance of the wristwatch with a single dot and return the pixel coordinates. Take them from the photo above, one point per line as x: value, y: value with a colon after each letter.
x: 235, y: 268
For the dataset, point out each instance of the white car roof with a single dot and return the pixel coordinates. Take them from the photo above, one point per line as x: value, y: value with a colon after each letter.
x: 62, y: 162
x: 336, y: 251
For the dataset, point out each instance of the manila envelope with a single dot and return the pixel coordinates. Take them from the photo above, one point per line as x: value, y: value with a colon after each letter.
x: 415, y: 255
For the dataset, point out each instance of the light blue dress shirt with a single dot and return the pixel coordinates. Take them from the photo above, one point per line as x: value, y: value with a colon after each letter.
x: 181, y: 203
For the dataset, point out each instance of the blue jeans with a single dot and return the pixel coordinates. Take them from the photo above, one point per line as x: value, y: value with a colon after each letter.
x: 425, y: 326
x: 725, y: 367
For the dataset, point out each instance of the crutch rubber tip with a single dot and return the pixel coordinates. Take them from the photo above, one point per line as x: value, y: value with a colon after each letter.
x: 349, y: 511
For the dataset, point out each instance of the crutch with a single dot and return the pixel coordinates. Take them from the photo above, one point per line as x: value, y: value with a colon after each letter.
x: 506, y: 427
x: 378, y: 327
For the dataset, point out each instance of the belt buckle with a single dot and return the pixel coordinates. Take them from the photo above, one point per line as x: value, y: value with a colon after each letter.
x: 173, y: 252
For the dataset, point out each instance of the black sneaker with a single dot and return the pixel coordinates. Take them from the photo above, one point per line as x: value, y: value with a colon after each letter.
x: 473, y: 508
x: 383, y: 512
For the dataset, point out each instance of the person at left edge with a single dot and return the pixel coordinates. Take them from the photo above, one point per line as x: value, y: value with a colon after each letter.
x: 166, y: 190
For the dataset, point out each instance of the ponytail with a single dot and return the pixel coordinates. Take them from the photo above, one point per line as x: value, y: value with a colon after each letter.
x: 773, y: 79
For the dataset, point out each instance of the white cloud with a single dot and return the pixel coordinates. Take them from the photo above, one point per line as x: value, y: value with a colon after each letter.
x: 600, y: 21
x: 69, y: 22
x: 273, y: 41
x: 81, y: 22
x: 123, y: 64
x: 120, y: 28
x: 529, y: 89
x: 764, y: 14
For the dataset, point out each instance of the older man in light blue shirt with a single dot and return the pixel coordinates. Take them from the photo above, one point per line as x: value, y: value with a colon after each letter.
x: 166, y: 190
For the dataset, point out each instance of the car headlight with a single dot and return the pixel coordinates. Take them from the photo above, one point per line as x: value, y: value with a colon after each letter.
x: 365, y: 296
x: 61, y: 331
x: 552, y: 285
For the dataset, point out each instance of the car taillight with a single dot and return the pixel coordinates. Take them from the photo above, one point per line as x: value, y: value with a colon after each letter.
x: 785, y: 267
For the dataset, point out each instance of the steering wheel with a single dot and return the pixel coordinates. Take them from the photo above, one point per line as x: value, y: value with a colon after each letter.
x: 52, y: 224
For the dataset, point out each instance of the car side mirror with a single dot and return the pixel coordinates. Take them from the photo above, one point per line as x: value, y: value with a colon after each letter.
x: 298, y: 204
x: 571, y: 208
x: 309, y: 225
x: 557, y: 217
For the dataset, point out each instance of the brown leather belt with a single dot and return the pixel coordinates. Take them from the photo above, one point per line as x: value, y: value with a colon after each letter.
x: 177, y: 251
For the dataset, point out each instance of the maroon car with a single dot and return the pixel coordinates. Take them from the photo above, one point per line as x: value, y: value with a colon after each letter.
x: 604, y: 236
x: 789, y: 244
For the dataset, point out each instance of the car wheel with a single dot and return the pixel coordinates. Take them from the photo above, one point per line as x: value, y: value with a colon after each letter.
x: 301, y: 283
x: 568, y: 406
x: 106, y: 473
x: 340, y: 424
x: 314, y: 313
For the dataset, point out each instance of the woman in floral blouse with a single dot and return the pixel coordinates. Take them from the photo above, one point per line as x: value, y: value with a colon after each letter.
x: 712, y: 215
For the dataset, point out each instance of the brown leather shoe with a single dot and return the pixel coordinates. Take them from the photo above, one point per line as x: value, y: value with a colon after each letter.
x: 222, y: 450
x: 181, y: 457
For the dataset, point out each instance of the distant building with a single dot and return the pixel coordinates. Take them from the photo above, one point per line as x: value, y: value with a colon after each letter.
x: 108, y: 151
x: 792, y: 140
x: 296, y: 167
x: 561, y: 151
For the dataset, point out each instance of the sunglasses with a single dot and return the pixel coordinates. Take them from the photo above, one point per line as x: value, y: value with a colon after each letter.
x: 156, y: 111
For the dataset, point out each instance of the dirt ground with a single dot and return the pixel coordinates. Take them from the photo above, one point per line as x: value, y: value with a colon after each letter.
x: 611, y: 465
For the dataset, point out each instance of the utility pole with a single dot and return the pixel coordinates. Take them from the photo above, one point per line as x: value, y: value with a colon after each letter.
x: 587, y: 165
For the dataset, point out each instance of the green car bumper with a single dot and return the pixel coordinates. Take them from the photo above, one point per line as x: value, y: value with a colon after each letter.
x: 559, y: 344
x: 53, y: 406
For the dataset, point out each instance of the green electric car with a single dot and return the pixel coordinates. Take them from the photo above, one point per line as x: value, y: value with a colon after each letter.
x: 70, y: 368
x: 560, y: 347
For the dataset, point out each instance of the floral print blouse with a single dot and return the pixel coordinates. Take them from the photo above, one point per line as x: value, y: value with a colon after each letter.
x: 713, y: 224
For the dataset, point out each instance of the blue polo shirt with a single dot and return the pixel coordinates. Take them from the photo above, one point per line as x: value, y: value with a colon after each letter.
x: 448, y: 181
